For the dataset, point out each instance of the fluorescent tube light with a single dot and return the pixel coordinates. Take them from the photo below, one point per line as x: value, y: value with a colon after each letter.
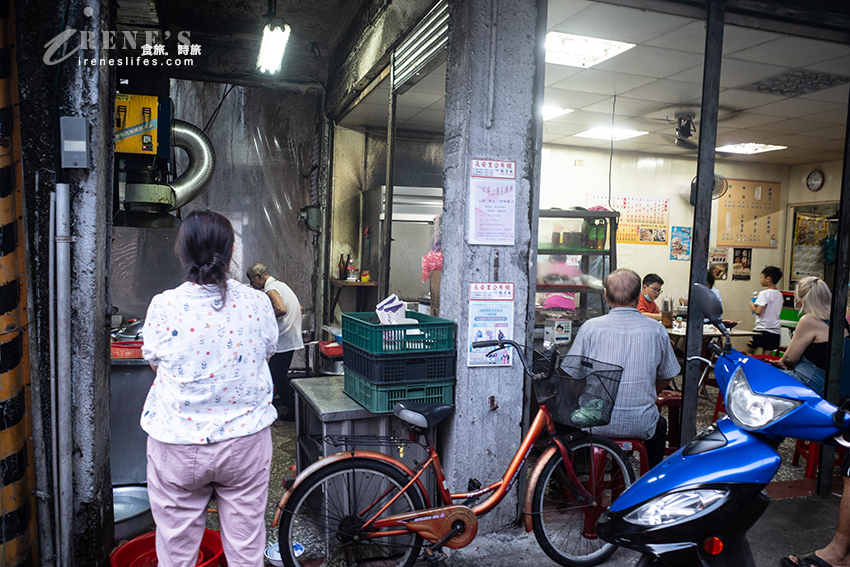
x: 275, y: 36
x: 608, y: 133
x: 749, y: 148
x: 580, y: 51
x: 550, y: 112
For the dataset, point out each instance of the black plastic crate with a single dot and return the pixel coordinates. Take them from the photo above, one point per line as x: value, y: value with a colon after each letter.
x: 423, y: 366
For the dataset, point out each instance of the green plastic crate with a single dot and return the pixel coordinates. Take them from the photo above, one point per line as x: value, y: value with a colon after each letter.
x: 364, y: 331
x: 380, y: 398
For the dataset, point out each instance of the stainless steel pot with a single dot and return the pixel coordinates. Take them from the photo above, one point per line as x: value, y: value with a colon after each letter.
x: 132, y: 511
x: 129, y: 332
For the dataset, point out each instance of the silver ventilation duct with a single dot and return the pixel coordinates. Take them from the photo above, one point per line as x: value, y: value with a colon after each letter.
x: 154, y: 197
x: 195, y: 143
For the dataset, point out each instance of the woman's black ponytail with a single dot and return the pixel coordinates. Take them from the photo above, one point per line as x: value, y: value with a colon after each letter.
x: 205, y: 246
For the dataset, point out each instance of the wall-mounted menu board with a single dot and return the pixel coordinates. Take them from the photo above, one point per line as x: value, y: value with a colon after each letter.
x: 748, y: 214
x: 643, y: 220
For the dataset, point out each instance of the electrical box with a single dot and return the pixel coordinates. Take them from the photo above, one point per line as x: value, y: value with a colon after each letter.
x: 136, y: 118
x: 74, y: 142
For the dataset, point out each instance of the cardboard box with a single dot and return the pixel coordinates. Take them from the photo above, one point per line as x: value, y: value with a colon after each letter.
x: 557, y: 331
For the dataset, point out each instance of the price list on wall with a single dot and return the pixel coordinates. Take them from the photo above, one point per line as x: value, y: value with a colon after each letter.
x: 748, y: 214
x: 643, y: 220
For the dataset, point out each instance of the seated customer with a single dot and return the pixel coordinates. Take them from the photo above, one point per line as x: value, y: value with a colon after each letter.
x: 626, y: 338
x: 651, y: 290
x: 805, y: 358
x: 710, y: 281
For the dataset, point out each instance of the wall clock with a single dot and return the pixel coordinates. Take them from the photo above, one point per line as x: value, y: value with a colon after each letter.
x: 815, y: 180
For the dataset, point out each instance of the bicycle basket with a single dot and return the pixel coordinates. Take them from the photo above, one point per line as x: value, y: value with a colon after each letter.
x: 581, y: 393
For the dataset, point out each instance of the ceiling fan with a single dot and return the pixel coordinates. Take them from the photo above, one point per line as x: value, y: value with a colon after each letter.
x: 685, y: 128
x: 721, y: 185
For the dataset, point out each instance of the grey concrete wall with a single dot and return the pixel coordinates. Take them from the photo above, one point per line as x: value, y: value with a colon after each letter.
x: 47, y: 92
x: 265, y: 144
x: 365, y: 50
x: 490, y: 113
x: 360, y: 169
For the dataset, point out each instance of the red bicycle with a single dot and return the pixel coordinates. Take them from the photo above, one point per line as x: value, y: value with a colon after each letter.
x: 365, y: 508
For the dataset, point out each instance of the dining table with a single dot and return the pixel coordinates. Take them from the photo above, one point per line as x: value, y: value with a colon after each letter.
x: 709, y: 333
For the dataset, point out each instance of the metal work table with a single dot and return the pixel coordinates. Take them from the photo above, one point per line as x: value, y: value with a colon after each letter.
x: 130, y: 380
x: 322, y: 408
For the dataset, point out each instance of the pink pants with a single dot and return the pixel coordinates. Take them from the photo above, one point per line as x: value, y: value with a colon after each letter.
x: 181, y: 479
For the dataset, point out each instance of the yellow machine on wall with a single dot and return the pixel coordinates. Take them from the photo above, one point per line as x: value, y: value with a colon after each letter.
x: 136, y: 124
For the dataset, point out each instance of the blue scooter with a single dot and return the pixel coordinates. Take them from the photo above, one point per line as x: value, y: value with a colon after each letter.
x: 694, y: 509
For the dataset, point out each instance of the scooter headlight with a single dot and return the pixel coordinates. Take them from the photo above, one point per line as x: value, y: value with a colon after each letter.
x: 676, y: 507
x: 749, y: 410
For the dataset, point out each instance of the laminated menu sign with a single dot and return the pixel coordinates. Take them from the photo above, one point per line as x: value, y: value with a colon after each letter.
x: 491, y: 318
x: 492, y: 187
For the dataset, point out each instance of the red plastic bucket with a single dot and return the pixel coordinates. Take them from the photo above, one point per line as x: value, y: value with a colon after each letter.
x: 141, y: 551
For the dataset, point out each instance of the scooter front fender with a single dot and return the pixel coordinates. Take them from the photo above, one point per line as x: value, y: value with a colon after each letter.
x: 744, y: 458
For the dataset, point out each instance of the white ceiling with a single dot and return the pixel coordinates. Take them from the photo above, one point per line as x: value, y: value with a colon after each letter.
x: 658, y: 78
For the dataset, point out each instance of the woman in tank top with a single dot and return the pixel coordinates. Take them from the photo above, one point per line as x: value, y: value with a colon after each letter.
x: 805, y: 358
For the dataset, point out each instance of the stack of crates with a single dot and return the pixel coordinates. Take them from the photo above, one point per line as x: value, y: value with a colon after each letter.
x: 385, y: 364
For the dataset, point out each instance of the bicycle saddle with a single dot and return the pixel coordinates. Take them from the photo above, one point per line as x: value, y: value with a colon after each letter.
x: 422, y: 415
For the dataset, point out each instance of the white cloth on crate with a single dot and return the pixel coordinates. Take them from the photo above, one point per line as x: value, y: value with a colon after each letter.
x: 289, y: 325
x: 212, y: 381
x: 628, y: 338
x: 771, y: 300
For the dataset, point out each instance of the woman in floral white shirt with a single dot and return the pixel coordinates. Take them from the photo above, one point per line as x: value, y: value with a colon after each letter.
x: 208, y: 412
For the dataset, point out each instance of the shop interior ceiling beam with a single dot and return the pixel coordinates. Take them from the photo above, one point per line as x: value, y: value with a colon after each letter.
x: 702, y: 211
x: 824, y: 20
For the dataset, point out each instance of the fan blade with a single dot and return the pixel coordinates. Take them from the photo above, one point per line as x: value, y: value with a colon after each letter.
x: 686, y: 144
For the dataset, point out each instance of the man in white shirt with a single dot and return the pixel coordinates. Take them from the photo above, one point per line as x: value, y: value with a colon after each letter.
x: 288, y: 312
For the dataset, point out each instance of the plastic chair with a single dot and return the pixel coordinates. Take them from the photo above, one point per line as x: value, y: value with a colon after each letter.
x: 672, y: 401
x: 631, y: 445
x: 810, y: 451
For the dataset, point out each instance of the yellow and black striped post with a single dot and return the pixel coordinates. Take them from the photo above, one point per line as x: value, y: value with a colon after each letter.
x: 17, y: 511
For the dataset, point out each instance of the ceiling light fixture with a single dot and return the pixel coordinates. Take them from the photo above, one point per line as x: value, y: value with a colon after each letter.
x: 749, y: 148
x: 580, y: 51
x: 550, y: 112
x: 275, y: 37
x: 608, y: 133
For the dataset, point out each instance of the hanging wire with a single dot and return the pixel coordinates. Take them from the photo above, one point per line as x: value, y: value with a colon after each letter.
x: 611, y: 154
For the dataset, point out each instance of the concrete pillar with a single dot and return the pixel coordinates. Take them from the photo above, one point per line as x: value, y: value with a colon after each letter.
x: 91, y: 93
x: 494, y: 88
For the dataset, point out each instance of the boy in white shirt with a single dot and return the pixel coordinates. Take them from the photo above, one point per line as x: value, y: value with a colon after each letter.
x: 767, y: 307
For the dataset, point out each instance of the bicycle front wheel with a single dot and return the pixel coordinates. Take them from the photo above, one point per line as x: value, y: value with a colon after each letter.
x: 564, y: 521
x: 322, y: 523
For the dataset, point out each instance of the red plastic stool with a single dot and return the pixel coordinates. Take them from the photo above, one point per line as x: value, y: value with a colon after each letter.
x: 719, y: 406
x: 631, y: 445
x: 673, y: 401
x: 810, y: 451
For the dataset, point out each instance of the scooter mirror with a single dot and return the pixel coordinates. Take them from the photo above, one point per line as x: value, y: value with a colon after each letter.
x: 710, y: 307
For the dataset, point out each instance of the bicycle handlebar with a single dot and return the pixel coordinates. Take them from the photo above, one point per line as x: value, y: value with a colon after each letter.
x: 504, y: 343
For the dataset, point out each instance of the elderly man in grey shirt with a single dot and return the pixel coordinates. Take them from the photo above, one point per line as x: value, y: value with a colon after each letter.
x: 627, y: 338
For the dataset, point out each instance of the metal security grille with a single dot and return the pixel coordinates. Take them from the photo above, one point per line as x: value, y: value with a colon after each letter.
x: 427, y: 40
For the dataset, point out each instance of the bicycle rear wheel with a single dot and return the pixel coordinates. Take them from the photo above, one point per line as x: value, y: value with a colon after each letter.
x: 321, y: 524
x: 564, y: 522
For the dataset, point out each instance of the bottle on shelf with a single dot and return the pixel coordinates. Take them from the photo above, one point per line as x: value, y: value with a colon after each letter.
x: 601, y: 234
x: 342, y: 268
x: 349, y: 269
x: 585, y: 234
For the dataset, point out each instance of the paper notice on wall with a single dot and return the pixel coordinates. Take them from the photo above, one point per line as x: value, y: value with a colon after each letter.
x: 491, y: 318
x: 718, y: 263
x: 492, y: 211
x: 643, y: 220
x: 742, y: 260
x: 680, y: 243
x: 807, y: 259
